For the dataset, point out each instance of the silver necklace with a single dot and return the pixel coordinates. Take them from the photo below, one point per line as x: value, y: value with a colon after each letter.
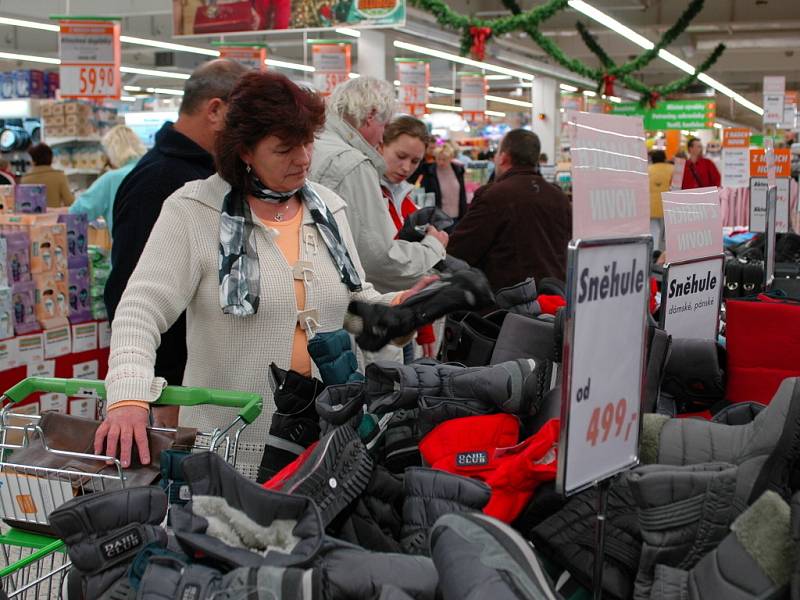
x: 279, y: 216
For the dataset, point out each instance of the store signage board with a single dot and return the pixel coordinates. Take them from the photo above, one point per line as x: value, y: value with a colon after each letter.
x: 672, y: 114
x: 611, y: 194
x: 758, y: 162
x: 789, y: 111
x: 415, y: 77
x: 774, y: 95
x: 252, y: 57
x: 692, y: 224
x: 332, y: 64
x: 207, y: 17
x: 473, y: 96
x: 677, y: 173
x: 758, y: 204
x: 691, y: 298
x: 90, y: 59
x: 603, y: 389
x: 735, y: 157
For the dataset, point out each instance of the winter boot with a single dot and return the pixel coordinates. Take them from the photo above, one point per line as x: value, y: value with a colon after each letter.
x: 295, y: 424
x: 684, y: 513
x: 754, y: 561
x: 341, y: 404
x: 375, y: 325
x: 333, y: 354
x: 430, y: 494
x: 519, y: 299
x: 334, y: 474
x: 469, y: 338
x: 103, y: 532
x: 693, y: 375
x: 434, y: 411
x: 478, y: 557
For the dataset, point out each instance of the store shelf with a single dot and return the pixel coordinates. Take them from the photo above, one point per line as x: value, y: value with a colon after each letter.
x: 56, y: 141
x: 69, y: 172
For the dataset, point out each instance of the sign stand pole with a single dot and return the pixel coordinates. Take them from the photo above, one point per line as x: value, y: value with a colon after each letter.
x: 769, y: 254
x: 600, y: 537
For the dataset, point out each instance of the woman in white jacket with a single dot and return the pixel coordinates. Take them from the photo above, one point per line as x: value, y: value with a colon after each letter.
x: 260, y: 259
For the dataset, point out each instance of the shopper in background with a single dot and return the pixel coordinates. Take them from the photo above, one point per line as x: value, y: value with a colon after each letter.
x: 220, y: 251
x: 660, y: 172
x: 445, y: 178
x: 520, y: 225
x: 347, y: 161
x: 700, y: 171
x: 6, y: 176
x: 403, y: 149
x: 124, y: 149
x: 182, y: 153
x: 58, y: 192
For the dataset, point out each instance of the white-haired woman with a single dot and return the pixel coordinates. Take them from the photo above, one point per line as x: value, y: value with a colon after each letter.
x: 124, y: 149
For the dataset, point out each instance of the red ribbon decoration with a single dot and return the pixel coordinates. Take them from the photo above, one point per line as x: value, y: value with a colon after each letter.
x: 479, y: 37
x: 608, y: 84
x: 653, y: 99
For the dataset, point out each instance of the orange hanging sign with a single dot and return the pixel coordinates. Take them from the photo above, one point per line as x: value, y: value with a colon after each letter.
x: 783, y: 163
x: 332, y: 64
x: 251, y: 57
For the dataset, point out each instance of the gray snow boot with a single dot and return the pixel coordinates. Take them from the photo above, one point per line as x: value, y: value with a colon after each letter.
x: 754, y: 561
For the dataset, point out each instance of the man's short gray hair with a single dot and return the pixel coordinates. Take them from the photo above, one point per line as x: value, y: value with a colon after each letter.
x: 356, y: 99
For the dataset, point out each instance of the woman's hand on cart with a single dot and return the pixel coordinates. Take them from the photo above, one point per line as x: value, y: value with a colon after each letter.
x: 123, y: 426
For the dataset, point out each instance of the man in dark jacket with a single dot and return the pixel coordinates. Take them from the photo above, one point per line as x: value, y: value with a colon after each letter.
x: 183, y: 152
x: 519, y: 225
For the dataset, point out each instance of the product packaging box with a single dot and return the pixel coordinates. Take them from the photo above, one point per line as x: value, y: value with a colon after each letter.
x: 77, y: 226
x: 52, y: 297
x: 80, y: 302
x: 7, y: 85
x: 48, y: 248
x: 18, y: 256
x: 29, y: 83
x: 31, y: 198
x: 7, y: 198
x: 23, y: 298
x: 51, y: 83
x: 3, y: 261
x: 6, y: 313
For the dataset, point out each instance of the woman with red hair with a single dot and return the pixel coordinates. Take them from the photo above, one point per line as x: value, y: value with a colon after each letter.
x: 260, y: 259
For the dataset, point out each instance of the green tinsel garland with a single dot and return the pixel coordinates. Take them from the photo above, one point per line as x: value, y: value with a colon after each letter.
x: 681, y: 84
x: 593, y: 45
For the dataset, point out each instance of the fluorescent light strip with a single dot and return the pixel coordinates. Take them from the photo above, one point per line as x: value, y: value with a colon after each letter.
x: 354, y: 75
x: 494, y: 113
x: 589, y: 93
x: 30, y: 58
x: 498, y: 77
x: 168, y: 91
x: 439, y: 90
x: 462, y: 60
x: 642, y: 41
x: 348, y: 31
x: 127, y: 39
x: 567, y: 88
x: 154, y: 73
x: 272, y: 62
x: 510, y: 101
x: 446, y: 107
x: 131, y: 88
x: 128, y: 98
x: 718, y: 126
x: 614, y: 99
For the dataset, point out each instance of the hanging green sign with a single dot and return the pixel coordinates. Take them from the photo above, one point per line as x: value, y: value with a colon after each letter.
x: 672, y: 114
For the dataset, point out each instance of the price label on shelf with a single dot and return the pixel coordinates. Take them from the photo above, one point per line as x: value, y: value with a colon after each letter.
x: 604, y: 352
x: 90, y: 59
x: 332, y: 65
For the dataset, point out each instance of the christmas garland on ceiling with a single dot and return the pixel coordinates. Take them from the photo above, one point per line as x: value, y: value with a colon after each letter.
x: 476, y: 32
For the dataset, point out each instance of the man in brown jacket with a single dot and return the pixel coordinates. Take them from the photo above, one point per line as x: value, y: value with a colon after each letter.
x: 519, y: 225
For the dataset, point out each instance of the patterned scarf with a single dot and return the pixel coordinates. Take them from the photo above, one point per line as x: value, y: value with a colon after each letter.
x: 239, y: 275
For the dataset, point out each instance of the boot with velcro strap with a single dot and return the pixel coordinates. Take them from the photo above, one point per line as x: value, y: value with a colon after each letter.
x: 104, y: 532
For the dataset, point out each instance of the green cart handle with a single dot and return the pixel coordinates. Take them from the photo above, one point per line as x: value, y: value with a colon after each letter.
x: 249, y: 404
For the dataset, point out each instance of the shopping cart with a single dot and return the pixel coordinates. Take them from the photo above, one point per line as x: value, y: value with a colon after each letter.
x: 35, y: 565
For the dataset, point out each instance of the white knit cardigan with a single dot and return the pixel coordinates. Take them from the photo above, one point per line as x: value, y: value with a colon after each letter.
x: 179, y: 270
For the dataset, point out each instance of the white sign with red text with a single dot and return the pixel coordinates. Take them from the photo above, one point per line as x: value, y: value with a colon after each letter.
x: 692, y: 224
x: 90, y: 59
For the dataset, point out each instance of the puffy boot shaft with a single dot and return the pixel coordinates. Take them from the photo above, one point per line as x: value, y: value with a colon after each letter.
x: 237, y: 523
x: 754, y: 561
x: 434, y: 411
x: 480, y: 558
x: 392, y: 386
x: 352, y: 573
x: 340, y: 404
x: 511, y: 386
x: 693, y: 374
x: 430, y: 494
x: 519, y: 299
x: 333, y: 354
x: 684, y: 513
x: 108, y: 528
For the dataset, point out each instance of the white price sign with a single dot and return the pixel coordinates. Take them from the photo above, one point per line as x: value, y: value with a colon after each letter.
x: 332, y: 64
x: 604, y: 362
x: 414, y: 77
x: 90, y: 59
x: 691, y: 298
x: 758, y: 204
x: 774, y: 95
x: 473, y: 94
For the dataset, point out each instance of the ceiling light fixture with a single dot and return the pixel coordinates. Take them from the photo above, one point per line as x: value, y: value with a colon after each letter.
x: 354, y: 75
x: 30, y: 58
x: 495, y: 113
x: 127, y: 39
x: 589, y: 93
x: 610, y: 22
x: 498, y: 77
x: 128, y: 98
x: 440, y: 90
x: 462, y: 60
x: 567, y: 88
x: 446, y: 107
x: 154, y: 73
x: 348, y: 31
x: 29, y: 24
x: 273, y: 62
x: 509, y: 101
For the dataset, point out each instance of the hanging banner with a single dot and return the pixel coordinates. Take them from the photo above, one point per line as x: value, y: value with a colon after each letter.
x: 206, y: 17
x: 758, y: 204
x: 89, y: 49
x: 331, y: 61
x: 473, y: 96
x: 252, y: 56
x: 677, y: 173
x: 692, y: 224
x: 671, y: 114
x: 603, y: 371
x: 774, y: 92
x: 691, y: 298
x: 783, y: 162
x: 735, y: 157
x: 414, y: 76
x: 611, y: 193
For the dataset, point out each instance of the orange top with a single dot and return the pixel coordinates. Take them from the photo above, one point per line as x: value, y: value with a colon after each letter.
x: 288, y: 241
